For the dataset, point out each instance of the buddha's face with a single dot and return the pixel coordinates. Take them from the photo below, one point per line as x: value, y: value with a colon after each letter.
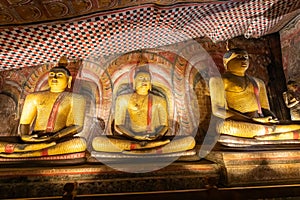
x: 142, y: 83
x: 239, y: 63
x: 58, y: 80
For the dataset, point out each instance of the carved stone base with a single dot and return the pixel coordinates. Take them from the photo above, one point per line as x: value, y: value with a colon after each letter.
x: 55, y: 160
x: 257, y: 166
x: 103, y: 157
x: 41, y: 182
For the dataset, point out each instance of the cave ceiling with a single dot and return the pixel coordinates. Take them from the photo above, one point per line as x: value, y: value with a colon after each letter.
x: 33, y: 32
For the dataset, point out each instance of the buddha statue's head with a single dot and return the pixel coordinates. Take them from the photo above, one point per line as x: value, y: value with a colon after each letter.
x: 292, y: 86
x: 142, y: 80
x: 236, y: 61
x: 59, y: 77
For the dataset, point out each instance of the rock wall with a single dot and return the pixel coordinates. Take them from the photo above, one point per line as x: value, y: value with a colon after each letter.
x: 290, y: 45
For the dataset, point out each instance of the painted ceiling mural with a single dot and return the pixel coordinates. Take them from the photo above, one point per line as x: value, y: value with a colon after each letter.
x: 34, y: 32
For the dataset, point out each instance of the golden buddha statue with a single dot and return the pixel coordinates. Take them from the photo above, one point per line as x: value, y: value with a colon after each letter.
x: 50, y: 119
x: 141, y: 122
x: 242, y: 102
x: 292, y: 99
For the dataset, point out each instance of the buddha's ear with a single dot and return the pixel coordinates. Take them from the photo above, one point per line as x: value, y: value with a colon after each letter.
x: 70, y: 82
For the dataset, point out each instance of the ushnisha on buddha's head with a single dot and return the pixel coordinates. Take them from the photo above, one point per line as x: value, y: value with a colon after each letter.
x: 59, y: 77
x: 142, y: 80
x: 236, y: 61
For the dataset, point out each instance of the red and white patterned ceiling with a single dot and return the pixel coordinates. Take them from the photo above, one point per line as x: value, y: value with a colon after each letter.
x: 34, y: 32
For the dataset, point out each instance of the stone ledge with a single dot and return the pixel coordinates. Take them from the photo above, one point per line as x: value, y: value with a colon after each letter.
x: 257, y: 167
x: 34, y: 182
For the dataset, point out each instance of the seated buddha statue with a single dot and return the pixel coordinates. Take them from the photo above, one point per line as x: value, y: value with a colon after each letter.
x: 292, y: 99
x: 49, y: 120
x: 241, y: 102
x: 141, y: 122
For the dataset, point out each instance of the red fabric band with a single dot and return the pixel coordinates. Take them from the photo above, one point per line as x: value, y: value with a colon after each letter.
x: 45, y: 152
x: 149, y: 113
x: 9, y: 148
x: 266, y: 130
x: 132, y: 146
x: 295, y: 135
x: 54, y: 111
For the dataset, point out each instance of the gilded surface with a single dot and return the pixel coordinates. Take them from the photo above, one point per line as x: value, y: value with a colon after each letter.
x: 141, y: 116
x: 38, y: 107
x: 49, y: 116
x: 255, y: 121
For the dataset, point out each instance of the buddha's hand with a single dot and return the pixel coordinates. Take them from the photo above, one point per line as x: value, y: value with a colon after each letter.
x: 34, y: 138
x: 265, y: 120
x: 144, y: 137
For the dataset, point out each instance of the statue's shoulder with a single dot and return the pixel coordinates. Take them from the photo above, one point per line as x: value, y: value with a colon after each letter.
x: 225, y: 80
x: 42, y: 92
x: 258, y: 81
x: 37, y: 94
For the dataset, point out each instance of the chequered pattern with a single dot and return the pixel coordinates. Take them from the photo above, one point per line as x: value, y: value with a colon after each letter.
x: 145, y: 26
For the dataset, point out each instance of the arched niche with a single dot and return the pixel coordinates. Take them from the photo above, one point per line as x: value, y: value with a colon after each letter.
x: 172, y: 76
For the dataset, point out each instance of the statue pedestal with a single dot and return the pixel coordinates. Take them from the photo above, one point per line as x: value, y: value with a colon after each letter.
x: 257, y: 166
x: 39, y: 182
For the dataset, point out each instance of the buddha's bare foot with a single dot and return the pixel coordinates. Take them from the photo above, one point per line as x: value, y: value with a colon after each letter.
x: 144, y: 137
x: 267, y: 119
